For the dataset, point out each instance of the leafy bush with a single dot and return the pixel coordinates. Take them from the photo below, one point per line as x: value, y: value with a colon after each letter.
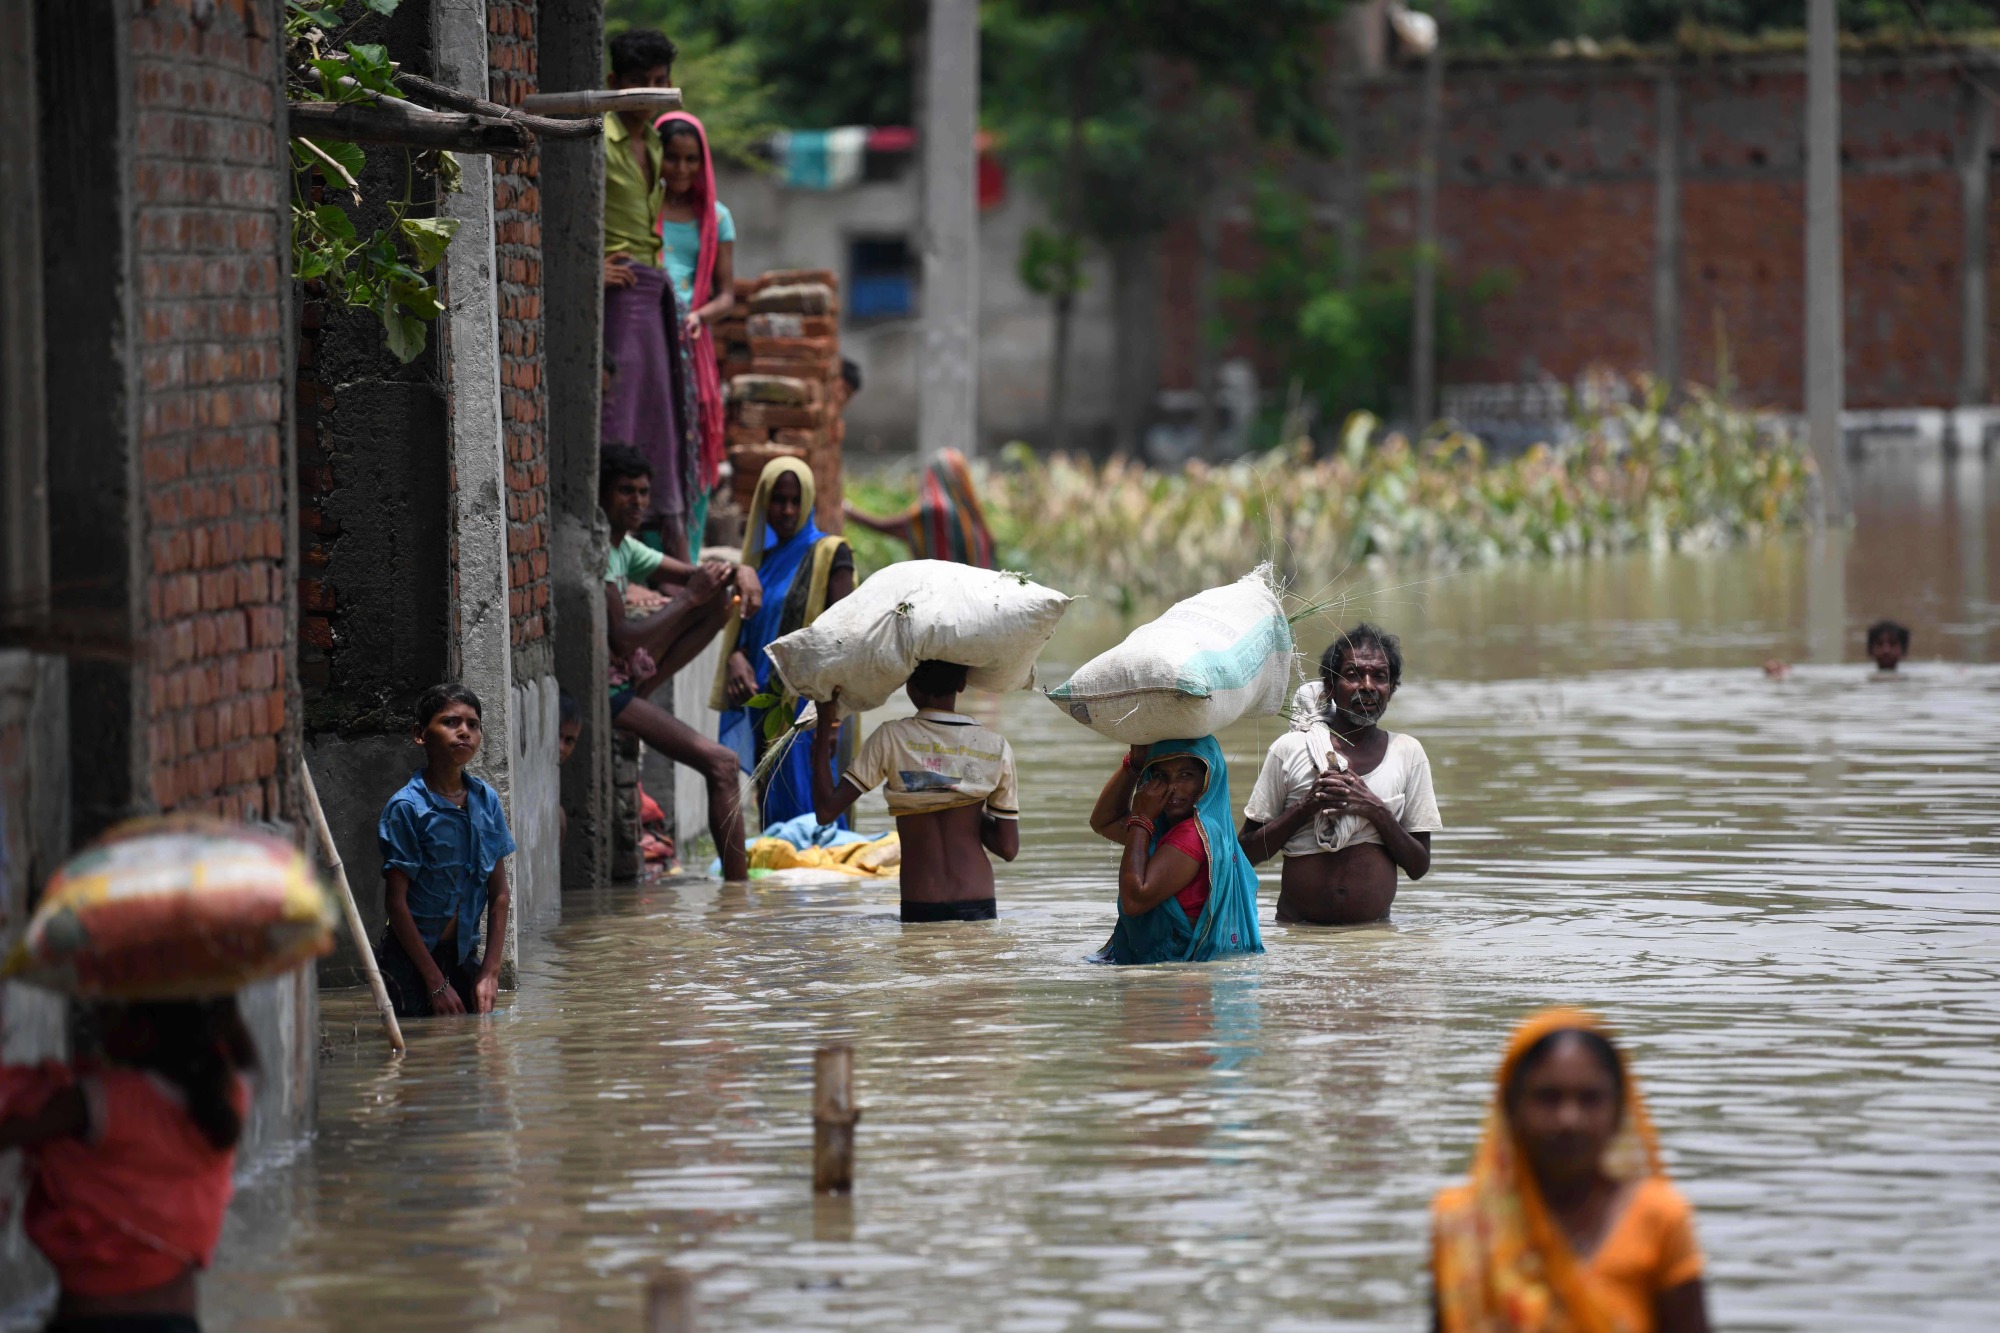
x: 1630, y: 476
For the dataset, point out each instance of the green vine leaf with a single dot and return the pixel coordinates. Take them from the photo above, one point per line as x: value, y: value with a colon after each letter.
x: 765, y: 700
x: 382, y: 7
x: 428, y: 238
x: 404, y: 334
x: 333, y: 222
x: 369, y: 63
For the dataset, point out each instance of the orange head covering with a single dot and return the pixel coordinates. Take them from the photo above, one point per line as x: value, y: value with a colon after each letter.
x: 1501, y: 1261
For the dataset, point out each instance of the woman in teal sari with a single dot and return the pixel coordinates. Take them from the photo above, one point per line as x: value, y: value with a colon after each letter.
x: 1186, y: 891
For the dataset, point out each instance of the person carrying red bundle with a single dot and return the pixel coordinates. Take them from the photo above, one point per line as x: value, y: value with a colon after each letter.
x: 129, y: 1159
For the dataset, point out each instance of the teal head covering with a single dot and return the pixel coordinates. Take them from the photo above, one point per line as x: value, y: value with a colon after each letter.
x: 1228, y: 923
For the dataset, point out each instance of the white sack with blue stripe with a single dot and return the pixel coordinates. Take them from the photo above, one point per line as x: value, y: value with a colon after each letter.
x: 1219, y: 656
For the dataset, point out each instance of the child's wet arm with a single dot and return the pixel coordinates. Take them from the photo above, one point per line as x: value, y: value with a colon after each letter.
x: 499, y: 900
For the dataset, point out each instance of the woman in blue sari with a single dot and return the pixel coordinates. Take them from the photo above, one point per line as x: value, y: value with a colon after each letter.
x: 1186, y: 891
x: 803, y: 571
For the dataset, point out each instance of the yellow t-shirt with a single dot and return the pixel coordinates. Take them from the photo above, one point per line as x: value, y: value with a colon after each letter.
x: 630, y: 207
x: 938, y: 761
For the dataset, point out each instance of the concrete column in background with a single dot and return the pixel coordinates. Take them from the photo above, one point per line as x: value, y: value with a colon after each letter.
x: 571, y: 56
x: 1825, y: 309
x: 24, y: 529
x: 1973, y: 196
x: 1667, y: 230
x: 482, y: 649
x: 1423, y: 284
x: 948, y: 376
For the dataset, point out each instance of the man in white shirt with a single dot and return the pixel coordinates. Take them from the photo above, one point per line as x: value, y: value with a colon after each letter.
x: 1348, y: 802
x: 951, y: 787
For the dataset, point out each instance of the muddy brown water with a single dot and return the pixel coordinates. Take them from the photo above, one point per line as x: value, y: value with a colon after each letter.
x: 1787, y: 895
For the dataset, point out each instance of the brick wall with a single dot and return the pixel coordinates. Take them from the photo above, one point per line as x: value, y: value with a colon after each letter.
x: 517, y: 223
x: 1547, y: 174
x: 206, y: 188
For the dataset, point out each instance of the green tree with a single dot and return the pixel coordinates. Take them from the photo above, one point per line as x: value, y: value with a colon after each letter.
x: 804, y: 64
x: 1127, y: 116
x: 1344, y: 345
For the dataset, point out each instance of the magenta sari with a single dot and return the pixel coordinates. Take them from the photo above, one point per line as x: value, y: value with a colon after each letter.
x: 701, y: 348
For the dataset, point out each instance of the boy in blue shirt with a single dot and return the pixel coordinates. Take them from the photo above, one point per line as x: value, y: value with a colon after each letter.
x: 443, y: 838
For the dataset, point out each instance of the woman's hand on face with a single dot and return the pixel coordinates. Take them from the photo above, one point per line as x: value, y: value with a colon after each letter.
x: 742, y: 682
x: 1151, y: 798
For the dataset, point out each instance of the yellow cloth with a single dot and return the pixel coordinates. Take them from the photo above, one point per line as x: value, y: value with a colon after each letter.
x: 877, y: 858
x: 630, y: 207
x: 1501, y: 1262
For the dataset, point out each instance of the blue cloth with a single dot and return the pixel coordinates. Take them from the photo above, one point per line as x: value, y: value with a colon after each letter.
x: 1228, y: 923
x: 807, y: 831
x: 788, y: 792
x: 782, y: 563
x: 680, y: 251
x: 448, y: 853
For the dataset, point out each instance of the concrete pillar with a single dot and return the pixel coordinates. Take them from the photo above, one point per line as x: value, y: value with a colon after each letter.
x: 1825, y: 309
x: 24, y: 529
x: 1423, y: 284
x: 481, y: 637
x: 571, y: 56
x: 947, y: 391
x: 1973, y: 196
x: 1667, y: 230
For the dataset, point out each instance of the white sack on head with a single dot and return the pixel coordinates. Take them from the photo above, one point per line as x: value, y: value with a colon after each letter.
x: 1219, y: 656
x: 867, y: 644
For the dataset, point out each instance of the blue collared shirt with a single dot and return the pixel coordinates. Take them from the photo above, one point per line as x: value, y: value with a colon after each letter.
x: 448, y: 853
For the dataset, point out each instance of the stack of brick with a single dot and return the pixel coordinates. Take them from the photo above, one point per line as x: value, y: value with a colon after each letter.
x: 780, y: 355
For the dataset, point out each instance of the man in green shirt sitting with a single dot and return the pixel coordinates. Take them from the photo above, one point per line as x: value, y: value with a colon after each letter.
x: 654, y: 636
x: 651, y: 403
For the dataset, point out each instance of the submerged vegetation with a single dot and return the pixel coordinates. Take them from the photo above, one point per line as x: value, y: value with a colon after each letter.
x: 1704, y: 474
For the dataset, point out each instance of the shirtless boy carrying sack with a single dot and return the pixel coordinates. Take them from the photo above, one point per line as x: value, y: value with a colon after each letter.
x: 950, y: 786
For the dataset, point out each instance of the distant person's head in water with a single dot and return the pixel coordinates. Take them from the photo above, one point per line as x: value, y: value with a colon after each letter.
x: 936, y: 685
x: 785, y: 509
x: 1361, y: 671
x: 847, y: 385
x: 1888, y: 643
x: 1565, y: 1100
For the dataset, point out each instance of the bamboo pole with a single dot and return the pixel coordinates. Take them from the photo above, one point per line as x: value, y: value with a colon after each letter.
x: 834, y: 1118
x: 394, y: 121
x: 670, y: 1303
x: 542, y: 127
x: 353, y: 913
x: 599, y: 101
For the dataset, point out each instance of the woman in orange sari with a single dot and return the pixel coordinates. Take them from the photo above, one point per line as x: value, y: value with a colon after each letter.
x: 1569, y: 1224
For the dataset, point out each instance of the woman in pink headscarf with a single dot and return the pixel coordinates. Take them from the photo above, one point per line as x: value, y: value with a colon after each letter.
x: 698, y: 251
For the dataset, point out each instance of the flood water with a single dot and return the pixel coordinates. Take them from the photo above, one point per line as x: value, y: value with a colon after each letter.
x: 1786, y: 895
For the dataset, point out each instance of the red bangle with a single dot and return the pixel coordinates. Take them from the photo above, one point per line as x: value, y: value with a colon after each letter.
x: 1140, y: 821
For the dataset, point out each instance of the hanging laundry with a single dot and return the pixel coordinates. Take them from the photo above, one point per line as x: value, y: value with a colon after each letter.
x: 821, y: 159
